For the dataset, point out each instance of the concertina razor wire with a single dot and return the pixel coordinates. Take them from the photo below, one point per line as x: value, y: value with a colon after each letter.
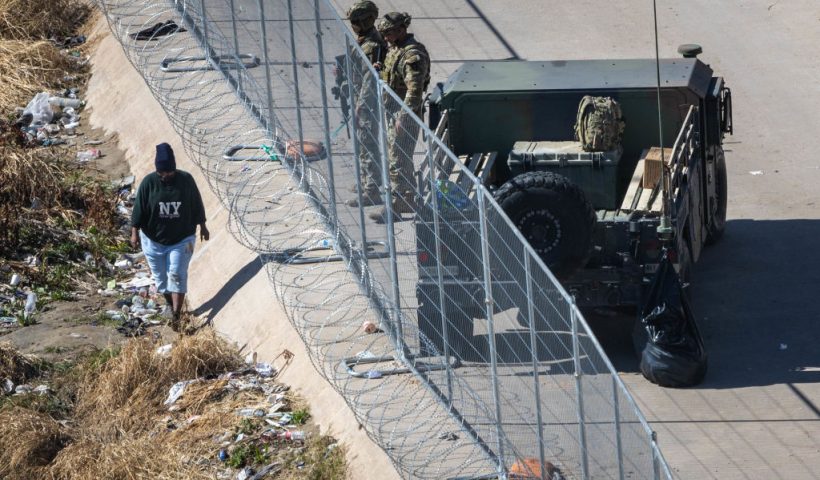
x: 480, y: 365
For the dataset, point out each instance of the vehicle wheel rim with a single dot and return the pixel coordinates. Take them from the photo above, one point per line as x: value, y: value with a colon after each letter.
x: 541, y: 229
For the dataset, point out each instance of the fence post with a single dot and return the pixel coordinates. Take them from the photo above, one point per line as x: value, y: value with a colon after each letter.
x: 204, y: 21
x: 445, y: 335
x: 391, y: 234
x: 579, y: 390
x: 653, y: 446
x: 488, y: 303
x: 618, y: 440
x: 354, y: 122
x: 334, y: 220
x: 236, y: 48
x: 268, y: 86
x: 295, y: 78
x: 534, y: 350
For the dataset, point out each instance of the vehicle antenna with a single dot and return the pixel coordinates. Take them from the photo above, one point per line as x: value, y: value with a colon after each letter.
x: 665, y: 228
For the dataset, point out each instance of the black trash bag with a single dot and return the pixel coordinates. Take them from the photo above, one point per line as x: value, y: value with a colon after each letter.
x: 672, y: 351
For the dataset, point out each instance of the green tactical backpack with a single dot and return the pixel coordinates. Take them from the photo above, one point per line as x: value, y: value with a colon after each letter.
x: 599, y: 125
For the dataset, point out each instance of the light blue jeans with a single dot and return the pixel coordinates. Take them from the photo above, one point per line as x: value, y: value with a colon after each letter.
x: 169, y: 263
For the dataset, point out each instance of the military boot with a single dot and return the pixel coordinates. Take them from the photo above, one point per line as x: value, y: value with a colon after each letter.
x: 370, y: 196
x: 399, y: 205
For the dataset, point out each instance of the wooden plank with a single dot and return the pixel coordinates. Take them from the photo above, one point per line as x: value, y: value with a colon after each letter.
x: 652, y: 165
x: 442, y: 125
x: 487, y: 167
x: 643, y: 202
x: 634, y: 185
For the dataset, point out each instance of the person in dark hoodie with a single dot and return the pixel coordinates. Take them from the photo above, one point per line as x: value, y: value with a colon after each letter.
x: 167, y: 210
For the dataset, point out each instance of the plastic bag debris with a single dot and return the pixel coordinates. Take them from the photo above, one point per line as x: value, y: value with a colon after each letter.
x: 245, y: 474
x: 23, y: 389
x: 165, y: 349
x: 251, y: 412
x: 31, y: 305
x: 672, y: 350
x: 115, y: 315
x: 265, y: 369
x: 40, y: 110
x: 41, y: 389
x: 8, y: 386
x: 176, y: 392
x: 8, y: 322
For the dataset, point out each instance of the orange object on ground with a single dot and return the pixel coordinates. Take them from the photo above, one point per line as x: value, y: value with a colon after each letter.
x: 531, y: 469
x: 313, y: 150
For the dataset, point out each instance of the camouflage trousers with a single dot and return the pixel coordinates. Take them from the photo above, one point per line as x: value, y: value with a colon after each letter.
x: 401, y: 143
x: 370, y: 168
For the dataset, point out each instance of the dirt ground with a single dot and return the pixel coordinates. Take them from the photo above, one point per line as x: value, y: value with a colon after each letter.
x: 66, y: 329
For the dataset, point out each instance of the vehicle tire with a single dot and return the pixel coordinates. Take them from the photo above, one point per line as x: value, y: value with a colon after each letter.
x: 554, y: 215
x: 717, y: 224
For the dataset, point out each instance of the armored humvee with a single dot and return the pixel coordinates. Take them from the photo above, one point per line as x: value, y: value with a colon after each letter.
x: 599, y: 220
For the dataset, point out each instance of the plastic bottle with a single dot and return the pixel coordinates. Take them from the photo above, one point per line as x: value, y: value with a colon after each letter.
x: 295, y: 435
x: 31, y: 304
x: 65, y: 102
x: 451, y: 195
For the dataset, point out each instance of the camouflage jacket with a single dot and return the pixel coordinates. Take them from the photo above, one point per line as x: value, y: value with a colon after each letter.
x: 407, y: 71
x: 373, y: 45
x: 375, y: 48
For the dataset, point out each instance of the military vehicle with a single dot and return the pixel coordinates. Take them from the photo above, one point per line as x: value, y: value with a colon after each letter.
x: 599, y: 220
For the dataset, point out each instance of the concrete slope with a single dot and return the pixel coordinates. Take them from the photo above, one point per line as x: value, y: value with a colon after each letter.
x: 227, y: 282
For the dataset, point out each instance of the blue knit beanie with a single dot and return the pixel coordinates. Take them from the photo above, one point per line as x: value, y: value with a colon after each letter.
x: 164, y: 160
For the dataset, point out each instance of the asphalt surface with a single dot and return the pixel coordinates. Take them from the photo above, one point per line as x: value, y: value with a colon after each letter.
x: 757, y: 415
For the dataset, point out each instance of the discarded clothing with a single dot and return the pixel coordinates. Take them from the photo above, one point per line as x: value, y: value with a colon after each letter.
x: 158, y: 30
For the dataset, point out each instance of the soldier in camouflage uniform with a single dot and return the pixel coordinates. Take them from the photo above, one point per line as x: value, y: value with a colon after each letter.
x: 407, y: 71
x: 362, y: 16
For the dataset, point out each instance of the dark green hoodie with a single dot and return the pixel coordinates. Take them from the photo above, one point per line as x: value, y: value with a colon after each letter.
x: 168, y: 213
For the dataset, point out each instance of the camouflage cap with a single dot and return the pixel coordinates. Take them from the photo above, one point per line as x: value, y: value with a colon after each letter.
x: 394, y: 20
x: 363, y: 9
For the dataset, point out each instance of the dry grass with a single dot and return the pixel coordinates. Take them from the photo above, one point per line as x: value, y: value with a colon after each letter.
x: 15, y: 366
x: 57, y: 185
x: 27, y: 68
x: 202, y: 355
x: 133, y: 386
x: 41, y: 19
x: 120, y: 428
x: 28, y: 443
x: 128, y: 458
x: 124, y: 425
x: 29, y: 174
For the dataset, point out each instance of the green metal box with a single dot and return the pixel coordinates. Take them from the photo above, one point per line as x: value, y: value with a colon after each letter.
x: 595, y: 172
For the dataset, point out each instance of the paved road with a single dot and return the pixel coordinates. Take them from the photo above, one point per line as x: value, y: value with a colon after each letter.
x: 758, y: 413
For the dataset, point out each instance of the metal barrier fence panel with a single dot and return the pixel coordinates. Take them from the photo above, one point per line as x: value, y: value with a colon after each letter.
x: 481, y: 359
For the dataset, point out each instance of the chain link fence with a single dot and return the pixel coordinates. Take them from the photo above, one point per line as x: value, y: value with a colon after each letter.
x: 481, y: 366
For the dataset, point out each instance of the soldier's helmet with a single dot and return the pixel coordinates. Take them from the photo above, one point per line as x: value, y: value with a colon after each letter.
x: 394, y: 20
x: 363, y: 13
